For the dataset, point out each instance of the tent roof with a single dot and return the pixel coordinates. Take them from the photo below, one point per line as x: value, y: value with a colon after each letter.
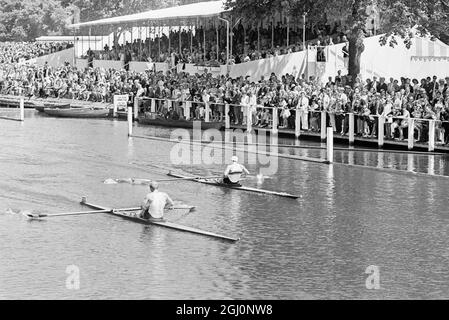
x: 194, y: 10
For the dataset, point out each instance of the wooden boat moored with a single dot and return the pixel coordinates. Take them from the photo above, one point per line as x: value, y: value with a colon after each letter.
x: 78, y: 112
x: 216, y: 182
x: 52, y: 106
x: 158, y: 120
x: 131, y: 215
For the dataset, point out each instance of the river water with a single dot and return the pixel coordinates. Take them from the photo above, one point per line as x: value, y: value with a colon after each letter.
x: 349, y: 219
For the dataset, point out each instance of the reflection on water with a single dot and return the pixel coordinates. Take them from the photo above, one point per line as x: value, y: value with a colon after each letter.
x: 316, y: 247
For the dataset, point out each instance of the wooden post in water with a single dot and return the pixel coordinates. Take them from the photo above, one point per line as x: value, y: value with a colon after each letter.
x: 114, y: 111
x: 227, y: 118
x: 207, y: 115
x: 431, y: 135
x: 274, y: 129
x: 153, y: 105
x: 130, y: 121
x: 380, y: 132
x: 330, y: 144
x: 169, y: 104
x: 22, y: 109
x: 136, y: 107
x: 411, y: 131
x: 249, y: 119
x: 297, y: 124
x: 351, y: 129
x: 187, y: 109
x: 323, y: 126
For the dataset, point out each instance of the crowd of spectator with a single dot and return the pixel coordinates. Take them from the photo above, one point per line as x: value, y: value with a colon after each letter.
x: 396, y: 100
x: 16, y: 52
x: 248, y: 44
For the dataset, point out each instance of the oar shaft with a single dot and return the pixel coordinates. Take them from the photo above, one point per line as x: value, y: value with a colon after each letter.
x: 175, y: 179
x: 171, y: 208
x: 31, y: 215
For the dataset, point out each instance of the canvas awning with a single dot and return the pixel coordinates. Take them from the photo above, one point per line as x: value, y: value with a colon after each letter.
x: 194, y: 10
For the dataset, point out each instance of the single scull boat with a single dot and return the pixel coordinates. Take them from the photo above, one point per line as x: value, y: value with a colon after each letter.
x: 131, y: 214
x: 216, y: 182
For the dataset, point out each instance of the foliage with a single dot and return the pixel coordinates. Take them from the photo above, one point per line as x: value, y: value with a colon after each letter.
x: 22, y: 20
x: 25, y: 20
x: 400, y: 18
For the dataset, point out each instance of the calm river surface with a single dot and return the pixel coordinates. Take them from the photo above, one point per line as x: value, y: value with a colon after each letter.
x: 316, y: 247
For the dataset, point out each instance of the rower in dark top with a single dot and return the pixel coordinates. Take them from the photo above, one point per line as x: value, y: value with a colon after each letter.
x: 233, y: 172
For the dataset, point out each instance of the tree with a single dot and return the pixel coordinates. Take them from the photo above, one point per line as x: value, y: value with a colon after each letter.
x: 24, y: 20
x: 399, y: 18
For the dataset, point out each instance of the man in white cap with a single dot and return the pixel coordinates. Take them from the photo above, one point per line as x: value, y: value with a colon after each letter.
x: 155, y: 203
x: 233, y: 172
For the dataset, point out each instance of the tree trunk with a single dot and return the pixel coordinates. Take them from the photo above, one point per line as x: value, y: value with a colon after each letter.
x: 356, y: 48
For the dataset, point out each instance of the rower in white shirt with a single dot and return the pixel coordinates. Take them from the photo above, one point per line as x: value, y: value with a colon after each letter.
x: 234, y: 171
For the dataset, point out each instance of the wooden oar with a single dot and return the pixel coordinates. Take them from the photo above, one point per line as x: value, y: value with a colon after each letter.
x: 148, y: 181
x: 189, y: 178
x: 170, y: 208
x: 37, y: 215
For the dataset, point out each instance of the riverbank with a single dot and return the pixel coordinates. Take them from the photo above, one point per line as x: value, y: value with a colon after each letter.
x: 10, y: 101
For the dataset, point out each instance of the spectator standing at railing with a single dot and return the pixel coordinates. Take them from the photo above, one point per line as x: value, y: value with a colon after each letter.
x: 303, y: 107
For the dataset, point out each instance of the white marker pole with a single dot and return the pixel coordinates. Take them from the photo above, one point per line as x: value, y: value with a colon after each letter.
x: 297, y: 124
x: 249, y: 119
x: 227, y: 118
x: 431, y: 135
x: 381, y: 131
x: 114, y: 114
x: 274, y: 128
x: 411, y: 131
x: 323, y: 126
x: 130, y: 121
x: 351, y: 129
x: 22, y: 109
x: 330, y: 144
x: 136, y: 107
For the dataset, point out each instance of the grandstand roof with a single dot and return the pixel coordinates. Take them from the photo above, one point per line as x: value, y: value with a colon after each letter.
x: 194, y: 10
x: 65, y: 38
